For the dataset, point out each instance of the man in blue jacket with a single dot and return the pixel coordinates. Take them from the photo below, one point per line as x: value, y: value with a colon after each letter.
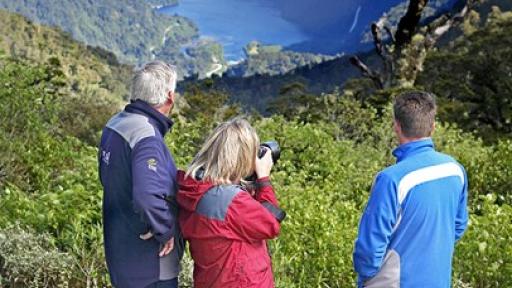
x: 138, y: 174
x: 417, y: 207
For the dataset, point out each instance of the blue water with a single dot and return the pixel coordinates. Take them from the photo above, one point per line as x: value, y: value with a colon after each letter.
x: 327, y: 26
x: 235, y: 23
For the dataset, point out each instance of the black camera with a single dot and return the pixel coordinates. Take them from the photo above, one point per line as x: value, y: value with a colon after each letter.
x: 275, y: 151
x: 274, y: 148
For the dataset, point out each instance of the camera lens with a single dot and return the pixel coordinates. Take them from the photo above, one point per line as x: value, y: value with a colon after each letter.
x: 274, y: 148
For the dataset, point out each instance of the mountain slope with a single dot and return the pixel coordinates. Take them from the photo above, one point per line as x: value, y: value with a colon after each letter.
x: 257, y: 90
x: 90, y: 79
x: 131, y: 29
x: 91, y: 71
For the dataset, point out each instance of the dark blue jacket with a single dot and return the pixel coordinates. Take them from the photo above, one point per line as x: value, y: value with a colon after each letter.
x: 137, y: 173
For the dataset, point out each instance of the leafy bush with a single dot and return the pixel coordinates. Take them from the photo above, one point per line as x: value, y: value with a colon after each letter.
x: 483, y: 256
x: 30, y: 260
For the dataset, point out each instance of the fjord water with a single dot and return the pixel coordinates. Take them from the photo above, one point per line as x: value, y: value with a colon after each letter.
x: 235, y: 23
x: 327, y: 26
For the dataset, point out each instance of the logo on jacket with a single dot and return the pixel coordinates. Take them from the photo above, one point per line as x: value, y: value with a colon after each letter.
x: 152, y: 164
x: 105, y: 157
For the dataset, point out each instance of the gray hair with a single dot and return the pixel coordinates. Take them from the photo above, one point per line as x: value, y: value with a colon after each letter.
x: 415, y: 111
x: 153, y: 81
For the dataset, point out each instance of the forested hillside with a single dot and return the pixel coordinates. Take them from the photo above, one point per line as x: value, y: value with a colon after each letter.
x: 131, y: 29
x: 92, y: 75
x: 473, y: 78
x: 273, y: 60
x: 332, y: 146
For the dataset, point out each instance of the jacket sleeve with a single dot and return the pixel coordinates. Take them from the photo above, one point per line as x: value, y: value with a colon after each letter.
x: 152, y: 182
x: 251, y: 219
x: 375, y: 228
x: 461, y: 219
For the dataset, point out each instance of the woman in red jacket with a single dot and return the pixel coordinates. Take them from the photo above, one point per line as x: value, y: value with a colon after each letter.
x: 226, y: 226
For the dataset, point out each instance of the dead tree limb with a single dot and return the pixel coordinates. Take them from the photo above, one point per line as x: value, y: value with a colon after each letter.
x: 367, y: 72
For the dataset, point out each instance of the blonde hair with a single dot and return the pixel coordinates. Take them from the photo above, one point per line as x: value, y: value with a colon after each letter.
x: 228, y: 154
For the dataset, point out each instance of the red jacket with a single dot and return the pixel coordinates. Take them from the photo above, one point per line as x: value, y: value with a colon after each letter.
x: 226, y: 228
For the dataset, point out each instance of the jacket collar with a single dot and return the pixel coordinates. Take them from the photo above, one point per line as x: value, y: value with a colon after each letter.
x: 163, y: 123
x: 412, y: 148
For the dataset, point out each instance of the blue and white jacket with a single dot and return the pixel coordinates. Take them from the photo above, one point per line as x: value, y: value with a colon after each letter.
x: 138, y: 173
x: 415, y: 214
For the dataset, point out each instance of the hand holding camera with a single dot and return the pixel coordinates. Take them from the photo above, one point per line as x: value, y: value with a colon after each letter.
x: 264, y: 164
x: 268, y: 154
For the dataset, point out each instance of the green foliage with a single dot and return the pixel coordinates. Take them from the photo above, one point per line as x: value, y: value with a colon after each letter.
x: 273, y: 60
x: 49, y: 184
x: 30, y: 260
x: 49, y: 179
x: 89, y: 70
x: 294, y: 102
x: 202, y: 102
x: 131, y: 29
x: 321, y: 181
x: 473, y: 79
x: 482, y: 258
x: 354, y: 119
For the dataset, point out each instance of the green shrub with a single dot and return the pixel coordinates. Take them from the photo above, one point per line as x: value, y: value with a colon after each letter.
x: 30, y: 260
x: 483, y: 255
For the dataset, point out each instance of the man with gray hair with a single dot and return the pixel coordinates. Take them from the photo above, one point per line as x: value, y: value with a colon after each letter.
x: 417, y: 207
x: 143, y: 245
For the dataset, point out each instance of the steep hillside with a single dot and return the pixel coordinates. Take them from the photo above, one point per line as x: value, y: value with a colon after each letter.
x: 89, y: 81
x: 257, y: 90
x: 90, y: 71
x: 131, y: 29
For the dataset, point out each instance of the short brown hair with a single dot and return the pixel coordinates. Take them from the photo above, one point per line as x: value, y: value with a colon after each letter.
x: 415, y: 112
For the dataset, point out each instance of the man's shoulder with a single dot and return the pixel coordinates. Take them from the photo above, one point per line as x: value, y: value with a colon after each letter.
x: 428, y: 166
x: 131, y: 127
x: 393, y: 173
x: 447, y: 158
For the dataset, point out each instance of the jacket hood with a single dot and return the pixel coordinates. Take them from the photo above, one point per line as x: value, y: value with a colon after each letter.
x: 190, y: 191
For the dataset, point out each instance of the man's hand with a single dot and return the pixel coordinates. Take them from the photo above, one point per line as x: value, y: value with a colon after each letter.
x: 167, y: 248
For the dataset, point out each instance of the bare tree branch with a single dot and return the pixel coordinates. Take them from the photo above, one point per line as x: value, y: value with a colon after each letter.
x: 367, y: 72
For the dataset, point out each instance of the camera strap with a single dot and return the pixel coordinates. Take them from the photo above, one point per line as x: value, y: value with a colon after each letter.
x: 274, y: 210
